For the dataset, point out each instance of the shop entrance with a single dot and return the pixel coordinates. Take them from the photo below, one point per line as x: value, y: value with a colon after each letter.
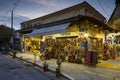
x: 70, y: 48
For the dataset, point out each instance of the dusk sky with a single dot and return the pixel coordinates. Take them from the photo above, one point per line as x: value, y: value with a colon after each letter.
x: 30, y: 9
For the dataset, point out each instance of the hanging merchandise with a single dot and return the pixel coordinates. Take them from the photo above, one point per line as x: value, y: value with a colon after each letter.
x: 42, y: 47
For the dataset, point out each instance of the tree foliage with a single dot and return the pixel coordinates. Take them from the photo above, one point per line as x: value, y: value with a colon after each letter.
x: 5, y: 33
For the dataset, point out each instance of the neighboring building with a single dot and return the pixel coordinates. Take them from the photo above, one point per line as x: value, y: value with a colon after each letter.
x: 67, y: 27
x: 114, y: 20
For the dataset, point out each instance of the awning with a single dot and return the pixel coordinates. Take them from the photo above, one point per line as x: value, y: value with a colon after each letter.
x: 50, y: 30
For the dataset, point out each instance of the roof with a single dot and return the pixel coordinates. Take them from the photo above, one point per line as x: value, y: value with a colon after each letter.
x: 115, y: 14
x: 114, y: 20
x: 83, y: 4
x: 79, y: 17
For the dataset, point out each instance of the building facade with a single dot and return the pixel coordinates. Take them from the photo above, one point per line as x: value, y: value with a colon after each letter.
x: 114, y: 22
x: 68, y: 32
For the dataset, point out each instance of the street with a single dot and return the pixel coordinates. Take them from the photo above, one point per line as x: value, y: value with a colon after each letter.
x: 60, y: 40
x: 13, y: 69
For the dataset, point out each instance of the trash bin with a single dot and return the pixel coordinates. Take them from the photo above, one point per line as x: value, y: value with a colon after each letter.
x: 91, y: 58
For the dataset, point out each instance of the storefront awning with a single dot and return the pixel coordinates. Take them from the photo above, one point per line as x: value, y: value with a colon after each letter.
x: 50, y: 30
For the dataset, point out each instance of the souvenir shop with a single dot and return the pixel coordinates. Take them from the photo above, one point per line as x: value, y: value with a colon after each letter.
x: 113, y: 41
x: 70, y: 42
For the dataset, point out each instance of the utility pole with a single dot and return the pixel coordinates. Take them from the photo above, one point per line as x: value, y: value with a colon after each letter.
x: 12, y: 23
x: 12, y: 37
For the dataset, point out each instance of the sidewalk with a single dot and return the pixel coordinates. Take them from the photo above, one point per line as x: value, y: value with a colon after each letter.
x: 114, y: 64
x: 75, y: 71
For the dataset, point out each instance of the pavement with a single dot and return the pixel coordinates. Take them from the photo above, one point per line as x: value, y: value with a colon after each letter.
x: 74, y: 71
x: 15, y: 69
x: 114, y: 64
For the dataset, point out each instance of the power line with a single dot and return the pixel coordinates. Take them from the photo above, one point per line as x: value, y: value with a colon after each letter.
x: 15, y: 6
x: 2, y: 20
x: 102, y: 8
x: 108, y: 6
x: 20, y: 16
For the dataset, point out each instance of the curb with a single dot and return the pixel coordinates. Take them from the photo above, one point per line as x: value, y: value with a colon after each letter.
x: 50, y: 69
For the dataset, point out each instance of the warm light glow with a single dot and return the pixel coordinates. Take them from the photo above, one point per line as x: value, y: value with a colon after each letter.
x: 43, y: 38
x: 98, y: 36
x: 95, y: 25
x: 86, y: 35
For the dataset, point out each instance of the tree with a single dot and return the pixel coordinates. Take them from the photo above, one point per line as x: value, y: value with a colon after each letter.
x: 5, y: 33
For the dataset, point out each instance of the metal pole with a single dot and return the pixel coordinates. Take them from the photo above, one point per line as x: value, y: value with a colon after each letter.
x: 12, y: 30
x: 12, y: 23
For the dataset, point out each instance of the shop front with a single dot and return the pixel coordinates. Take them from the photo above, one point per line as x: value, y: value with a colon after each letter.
x: 70, y: 41
x: 113, y: 41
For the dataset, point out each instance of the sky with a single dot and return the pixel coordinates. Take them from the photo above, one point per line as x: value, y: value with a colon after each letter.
x: 24, y: 10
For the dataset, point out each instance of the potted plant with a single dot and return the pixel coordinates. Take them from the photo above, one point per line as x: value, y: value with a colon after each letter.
x: 58, y: 69
x: 45, y: 66
x: 58, y: 72
x: 14, y: 53
x: 58, y: 62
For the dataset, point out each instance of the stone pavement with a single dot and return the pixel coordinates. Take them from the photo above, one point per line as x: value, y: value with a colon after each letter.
x: 14, y: 69
x: 77, y: 71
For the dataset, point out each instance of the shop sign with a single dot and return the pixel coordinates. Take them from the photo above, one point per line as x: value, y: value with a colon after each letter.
x: 65, y: 34
x: 48, y: 37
